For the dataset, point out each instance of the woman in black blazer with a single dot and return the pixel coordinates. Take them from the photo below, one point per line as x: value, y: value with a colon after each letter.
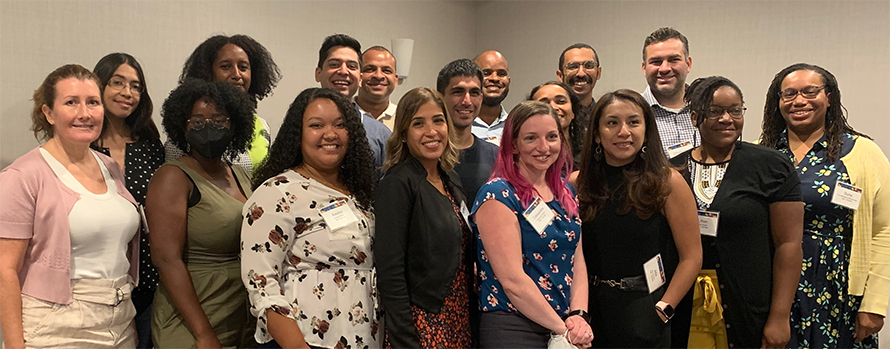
x: 424, y: 247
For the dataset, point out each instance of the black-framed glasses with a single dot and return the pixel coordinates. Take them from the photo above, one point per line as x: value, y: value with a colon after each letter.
x: 219, y: 122
x: 715, y: 112
x: 809, y: 92
x: 117, y: 84
x: 588, y: 65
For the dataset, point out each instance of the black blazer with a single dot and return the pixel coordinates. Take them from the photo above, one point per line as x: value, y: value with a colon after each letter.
x: 417, y: 247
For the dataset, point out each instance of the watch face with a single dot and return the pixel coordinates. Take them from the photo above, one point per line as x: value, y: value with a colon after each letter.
x: 669, y: 311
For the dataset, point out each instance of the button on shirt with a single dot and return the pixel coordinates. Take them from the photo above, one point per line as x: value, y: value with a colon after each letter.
x: 490, y: 133
x: 674, y: 126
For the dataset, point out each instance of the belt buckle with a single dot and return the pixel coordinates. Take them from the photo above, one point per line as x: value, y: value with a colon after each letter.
x: 119, y: 294
x: 623, y: 285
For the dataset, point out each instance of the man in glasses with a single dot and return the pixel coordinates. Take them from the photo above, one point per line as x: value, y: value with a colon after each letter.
x: 666, y: 63
x: 579, y: 67
x: 489, y: 124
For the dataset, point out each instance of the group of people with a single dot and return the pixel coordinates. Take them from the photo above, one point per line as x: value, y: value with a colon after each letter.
x: 442, y: 220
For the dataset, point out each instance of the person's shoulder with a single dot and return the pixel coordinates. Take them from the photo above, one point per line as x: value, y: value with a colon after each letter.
x: 374, y: 127
x: 758, y: 154
x: 496, y: 184
x: 405, y: 170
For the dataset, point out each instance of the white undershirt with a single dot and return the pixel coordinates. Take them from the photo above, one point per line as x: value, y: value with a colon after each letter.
x: 102, y: 226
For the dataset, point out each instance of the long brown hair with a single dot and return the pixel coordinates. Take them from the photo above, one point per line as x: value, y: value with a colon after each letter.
x: 397, y: 150
x: 645, y: 187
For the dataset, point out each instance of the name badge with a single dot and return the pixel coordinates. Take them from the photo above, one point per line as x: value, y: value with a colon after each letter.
x: 338, y: 215
x: 465, y: 212
x: 846, y: 195
x: 143, y: 218
x: 654, y: 269
x: 678, y: 149
x: 707, y: 222
x: 539, y: 215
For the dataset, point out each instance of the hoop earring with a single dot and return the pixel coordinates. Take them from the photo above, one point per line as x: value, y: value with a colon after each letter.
x: 643, y: 150
x: 598, y: 152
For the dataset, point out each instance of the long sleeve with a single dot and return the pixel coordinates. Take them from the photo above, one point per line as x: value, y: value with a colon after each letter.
x: 393, y: 205
x: 877, y: 285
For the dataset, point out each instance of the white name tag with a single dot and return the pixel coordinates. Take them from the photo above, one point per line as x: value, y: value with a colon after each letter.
x: 654, y: 269
x: 707, y: 222
x: 539, y: 215
x: 338, y: 215
x: 678, y: 149
x: 465, y: 212
x: 846, y: 195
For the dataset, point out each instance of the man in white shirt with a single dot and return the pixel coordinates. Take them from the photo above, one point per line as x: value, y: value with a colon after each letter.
x: 489, y: 125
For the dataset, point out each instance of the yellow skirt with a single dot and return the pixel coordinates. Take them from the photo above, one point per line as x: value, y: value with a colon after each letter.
x: 707, y: 329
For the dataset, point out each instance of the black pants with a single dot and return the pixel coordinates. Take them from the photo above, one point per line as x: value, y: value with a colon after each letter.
x: 627, y: 319
x: 499, y: 329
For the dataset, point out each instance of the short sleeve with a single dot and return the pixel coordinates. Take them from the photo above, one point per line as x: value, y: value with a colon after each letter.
x: 498, y: 189
x: 783, y: 184
x: 18, y: 202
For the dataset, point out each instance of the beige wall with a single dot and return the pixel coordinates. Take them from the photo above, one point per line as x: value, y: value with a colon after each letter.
x: 748, y: 42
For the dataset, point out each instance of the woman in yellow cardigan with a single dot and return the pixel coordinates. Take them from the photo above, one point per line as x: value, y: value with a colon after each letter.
x: 845, y: 179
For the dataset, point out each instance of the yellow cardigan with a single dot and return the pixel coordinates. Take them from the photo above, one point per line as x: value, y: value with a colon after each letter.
x: 869, y: 170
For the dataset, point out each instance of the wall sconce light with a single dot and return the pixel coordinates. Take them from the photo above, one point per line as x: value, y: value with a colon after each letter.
x: 402, y: 50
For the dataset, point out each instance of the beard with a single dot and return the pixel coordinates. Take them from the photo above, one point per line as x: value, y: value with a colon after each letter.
x: 494, y: 101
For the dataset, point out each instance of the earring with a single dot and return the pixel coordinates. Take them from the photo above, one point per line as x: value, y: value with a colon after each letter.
x: 643, y: 150
x: 598, y: 152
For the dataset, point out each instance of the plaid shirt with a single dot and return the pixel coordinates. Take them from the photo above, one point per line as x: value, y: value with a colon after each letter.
x: 673, y: 127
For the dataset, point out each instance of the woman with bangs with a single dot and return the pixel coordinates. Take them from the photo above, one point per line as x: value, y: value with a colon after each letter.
x: 639, y: 220
x: 532, y: 275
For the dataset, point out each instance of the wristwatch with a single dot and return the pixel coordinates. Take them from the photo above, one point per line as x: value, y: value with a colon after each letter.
x: 665, y: 309
x: 583, y: 314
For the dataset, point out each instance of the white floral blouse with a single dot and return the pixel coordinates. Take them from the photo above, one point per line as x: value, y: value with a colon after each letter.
x: 293, y: 263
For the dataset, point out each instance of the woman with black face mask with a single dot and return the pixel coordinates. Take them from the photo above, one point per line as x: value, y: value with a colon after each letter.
x: 194, y: 209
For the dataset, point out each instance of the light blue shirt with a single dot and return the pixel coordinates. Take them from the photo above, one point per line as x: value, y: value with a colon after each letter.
x: 377, y: 134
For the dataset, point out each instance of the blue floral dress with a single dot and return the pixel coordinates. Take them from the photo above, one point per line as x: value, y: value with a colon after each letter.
x: 824, y: 314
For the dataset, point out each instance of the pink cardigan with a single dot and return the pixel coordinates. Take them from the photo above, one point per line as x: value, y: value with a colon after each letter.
x: 35, y: 205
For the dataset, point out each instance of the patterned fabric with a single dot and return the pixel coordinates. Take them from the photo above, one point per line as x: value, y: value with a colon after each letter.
x: 547, y: 256
x: 294, y: 264
x: 490, y: 133
x: 172, y: 152
x: 824, y: 313
x: 450, y: 328
x: 674, y: 127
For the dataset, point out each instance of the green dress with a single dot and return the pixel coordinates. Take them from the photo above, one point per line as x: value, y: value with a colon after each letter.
x: 211, y: 254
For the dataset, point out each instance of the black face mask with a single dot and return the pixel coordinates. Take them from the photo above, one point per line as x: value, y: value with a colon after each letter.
x: 209, y: 141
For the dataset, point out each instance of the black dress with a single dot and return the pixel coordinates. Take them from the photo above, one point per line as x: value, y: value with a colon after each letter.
x: 615, y: 247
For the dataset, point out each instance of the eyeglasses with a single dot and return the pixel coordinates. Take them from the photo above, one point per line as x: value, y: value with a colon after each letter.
x: 809, y: 92
x: 219, y: 122
x: 116, y: 84
x: 717, y: 112
x: 588, y: 65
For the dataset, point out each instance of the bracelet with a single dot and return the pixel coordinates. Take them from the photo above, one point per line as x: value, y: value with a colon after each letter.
x: 583, y: 314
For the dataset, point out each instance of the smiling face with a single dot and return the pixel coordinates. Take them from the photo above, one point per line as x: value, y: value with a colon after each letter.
x: 580, y: 75
x: 621, y: 131
x: 665, y: 67
x: 232, y: 66
x: 427, y: 134
x: 559, y: 100
x: 802, y: 114
x: 340, y: 71
x: 538, y: 144
x: 325, y: 139
x: 497, y: 77
x: 463, y: 98
x: 379, y: 77
x: 723, y: 131
x: 122, y: 92
x: 77, y: 112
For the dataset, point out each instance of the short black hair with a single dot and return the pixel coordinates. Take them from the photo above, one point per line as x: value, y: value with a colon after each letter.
x: 337, y: 40
x: 460, y: 67
x: 665, y: 34
x: 562, y: 56
x: 264, y: 73
x: 177, y: 110
x: 140, y: 122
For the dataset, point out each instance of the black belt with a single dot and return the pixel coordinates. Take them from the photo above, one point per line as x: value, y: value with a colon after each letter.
x: 634, y: 283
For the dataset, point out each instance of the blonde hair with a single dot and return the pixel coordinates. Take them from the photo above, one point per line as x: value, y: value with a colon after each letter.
x: 46, y: 95
x: 396, y: 148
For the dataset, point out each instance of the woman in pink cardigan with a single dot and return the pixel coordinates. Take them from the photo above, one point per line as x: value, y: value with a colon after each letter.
x: 69, y: 229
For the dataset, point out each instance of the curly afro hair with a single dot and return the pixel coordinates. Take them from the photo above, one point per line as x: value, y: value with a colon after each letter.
x: 357, y: 170
x: 264, y: 73
x: 238, y: 107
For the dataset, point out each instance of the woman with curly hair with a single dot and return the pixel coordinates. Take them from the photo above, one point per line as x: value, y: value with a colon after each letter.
x: 567, y: 105
x: 130, y: 137
x: 194, y: 211
x: 307, y: 231
x: 243, y: 62
x: 639, y: 219
x: 424, y: 247
x: 845, y: 281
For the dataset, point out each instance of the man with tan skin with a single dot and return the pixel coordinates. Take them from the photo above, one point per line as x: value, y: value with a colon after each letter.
x: 489, y: 124
x: 379, y: 79
x: 666, y: 63
x: 579, y: 67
